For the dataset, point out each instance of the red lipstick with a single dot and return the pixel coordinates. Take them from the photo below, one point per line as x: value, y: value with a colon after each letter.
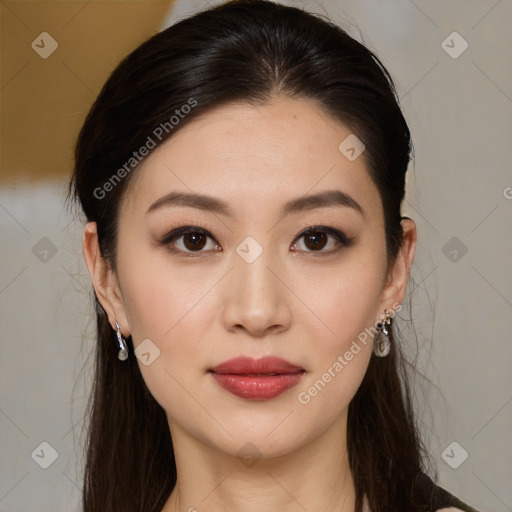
x: 257, y: 379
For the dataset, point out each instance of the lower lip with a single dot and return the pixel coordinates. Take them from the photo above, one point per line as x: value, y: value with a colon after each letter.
x: 262, y: 387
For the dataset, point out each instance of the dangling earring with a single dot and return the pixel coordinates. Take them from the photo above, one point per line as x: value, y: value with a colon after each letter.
x: 123, y: 349
x: 381, y: 343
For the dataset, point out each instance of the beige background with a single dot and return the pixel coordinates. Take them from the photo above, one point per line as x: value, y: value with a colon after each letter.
x: 44, y: 101
x: 459, y: 193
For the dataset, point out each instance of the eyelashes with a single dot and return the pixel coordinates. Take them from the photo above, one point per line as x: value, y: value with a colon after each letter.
x: 195, y: 239
x: 313, y: 232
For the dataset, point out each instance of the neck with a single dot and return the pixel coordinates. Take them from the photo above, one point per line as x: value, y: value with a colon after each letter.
x: 315, y: 476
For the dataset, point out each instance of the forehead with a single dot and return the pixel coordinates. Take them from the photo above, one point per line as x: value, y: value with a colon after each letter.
x: 254, y: 156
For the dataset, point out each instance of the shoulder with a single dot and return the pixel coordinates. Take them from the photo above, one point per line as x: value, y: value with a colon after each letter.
x: 438, y: 499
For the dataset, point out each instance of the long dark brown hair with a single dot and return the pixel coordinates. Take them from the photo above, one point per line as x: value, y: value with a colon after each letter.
x: 247, y: 50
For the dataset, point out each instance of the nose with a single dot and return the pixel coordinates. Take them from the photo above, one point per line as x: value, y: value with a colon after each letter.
x: 256, y: 300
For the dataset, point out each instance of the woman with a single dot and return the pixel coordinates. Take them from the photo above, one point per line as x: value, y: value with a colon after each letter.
x: 242, y: 174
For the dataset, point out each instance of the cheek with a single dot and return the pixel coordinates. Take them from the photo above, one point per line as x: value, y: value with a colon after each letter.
x: 339, y: 360
x: 346, y: 302
x: 171, y: 306
x: 170, y: 311
x: 158, y: 294
x: 342, y: 302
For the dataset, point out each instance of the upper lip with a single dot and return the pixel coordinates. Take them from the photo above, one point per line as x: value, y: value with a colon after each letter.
x: 263, y: 366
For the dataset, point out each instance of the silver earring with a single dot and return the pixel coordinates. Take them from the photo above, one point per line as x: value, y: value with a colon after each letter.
x: 123, y: 349
x: 381, y: 343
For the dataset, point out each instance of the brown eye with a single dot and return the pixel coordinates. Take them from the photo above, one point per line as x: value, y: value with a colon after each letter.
x: 321, y: 239
x: 188, y: 240
x: 194, y: 241
x: 315, y: 240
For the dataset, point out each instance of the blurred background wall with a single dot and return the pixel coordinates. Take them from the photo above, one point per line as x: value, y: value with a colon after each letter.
x: 451, y: 63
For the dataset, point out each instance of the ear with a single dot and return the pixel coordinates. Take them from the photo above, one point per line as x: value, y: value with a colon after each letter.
x: 393, y: 292
x: 104, y: 280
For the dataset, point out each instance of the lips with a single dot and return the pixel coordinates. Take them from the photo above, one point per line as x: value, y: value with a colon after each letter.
x: 257, y: 379
x: 264, y: 366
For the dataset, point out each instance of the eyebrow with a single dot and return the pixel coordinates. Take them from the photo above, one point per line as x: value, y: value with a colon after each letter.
x: 302, y: 203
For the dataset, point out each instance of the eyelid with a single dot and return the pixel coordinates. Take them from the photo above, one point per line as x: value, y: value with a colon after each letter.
x: 342, y: 239
x: 178, y: 233
x: 183, y: 230
x: 327, y: 229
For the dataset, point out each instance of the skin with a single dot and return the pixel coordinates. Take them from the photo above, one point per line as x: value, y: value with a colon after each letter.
x: 292, y: 301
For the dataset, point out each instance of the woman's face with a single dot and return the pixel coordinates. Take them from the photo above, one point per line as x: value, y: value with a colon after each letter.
x: 245, y: 281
